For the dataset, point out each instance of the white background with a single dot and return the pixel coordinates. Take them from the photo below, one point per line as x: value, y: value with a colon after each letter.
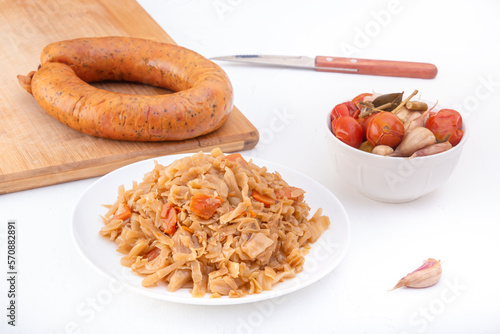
x: 58, y: 292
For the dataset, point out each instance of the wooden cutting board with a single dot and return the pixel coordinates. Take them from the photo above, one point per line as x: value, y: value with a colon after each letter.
x: 35, y: 149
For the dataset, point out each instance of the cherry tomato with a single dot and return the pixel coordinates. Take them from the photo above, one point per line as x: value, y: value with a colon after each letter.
x: 446, y: 126
x: 348, y: 130
x: 344, y: 109
x: 385, y: 128
x: 334, y: 124
x: 363, y: 121
x: 339, y: 110
x: 360, y: 98
x: 353, y: 109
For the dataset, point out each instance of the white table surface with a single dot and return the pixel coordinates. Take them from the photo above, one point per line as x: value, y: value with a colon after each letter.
x: 59, y: 292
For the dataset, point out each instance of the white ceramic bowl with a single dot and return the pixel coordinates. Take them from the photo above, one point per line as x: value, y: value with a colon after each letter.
x: 391, y: 179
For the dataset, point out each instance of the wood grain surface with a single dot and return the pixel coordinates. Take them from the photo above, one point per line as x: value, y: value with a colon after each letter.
x: 35, y: 149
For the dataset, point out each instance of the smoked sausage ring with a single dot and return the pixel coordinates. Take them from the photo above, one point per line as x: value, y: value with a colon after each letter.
x: 201, y: 102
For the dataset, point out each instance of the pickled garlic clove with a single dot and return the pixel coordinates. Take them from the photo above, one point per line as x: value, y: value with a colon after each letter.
x: 382, y: 150
x: 417, y: 119
x: 425, y: 276
x: 432, y: 149
x: 413, y: 141
x: 406, y: 114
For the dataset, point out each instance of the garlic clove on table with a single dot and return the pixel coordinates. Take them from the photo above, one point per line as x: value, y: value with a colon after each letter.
x: 425, y: 276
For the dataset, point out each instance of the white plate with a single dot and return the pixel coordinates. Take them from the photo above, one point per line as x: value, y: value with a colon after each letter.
x: 101, y: 253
